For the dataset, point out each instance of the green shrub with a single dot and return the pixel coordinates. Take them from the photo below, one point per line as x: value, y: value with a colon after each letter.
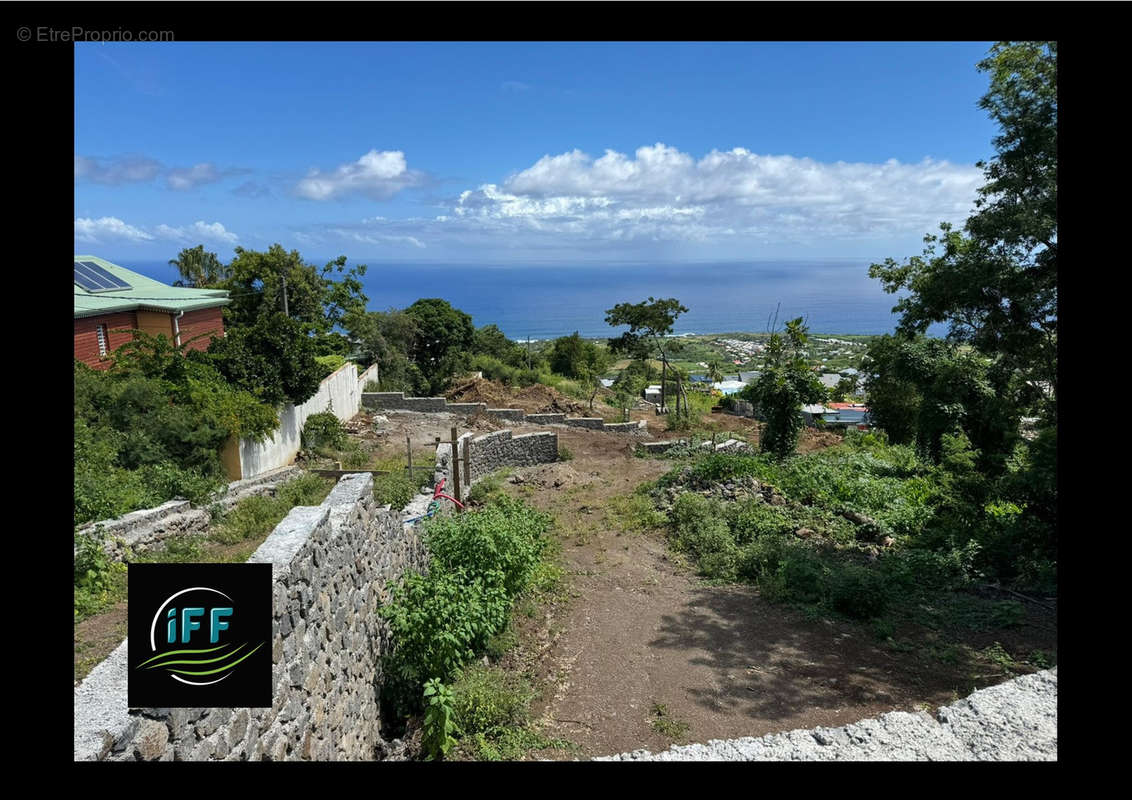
x: 438, y: 725
x: 441, y: 621
x: 330, y: 364
x: 306, y: 490
x: 438, y: 622
x: 372, y: 386
x: 564, y: 453
x: 97, y: 576
x: 487, y: 487
x: 760, y: 557
x: 486, y: 699
x: 353, y: 456
x: 859, y: 592
x: 323, y: 430
x: 506, y: 539
x: 701, y: 530
x: 800, y: 577
x: 674, y: 421
x: 251, y: 517
x: 92, y: 564
x: 394, y: 490
x: 257, y: 516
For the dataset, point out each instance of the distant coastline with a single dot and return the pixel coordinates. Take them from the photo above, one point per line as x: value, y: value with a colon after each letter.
x: 544, y: 302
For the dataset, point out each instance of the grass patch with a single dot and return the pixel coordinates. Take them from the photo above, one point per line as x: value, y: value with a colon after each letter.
x: 634, y: 513
x: 255, y: 517
x: 661, y: 721
x: 490, y: 486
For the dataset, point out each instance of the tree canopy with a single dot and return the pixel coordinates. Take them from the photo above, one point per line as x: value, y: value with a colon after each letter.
x: 995, y: 282
x: 319, y: 298
x: 443, y: 333
x: 649, y: 322
x: 199, y: 269
x: 272, y: 359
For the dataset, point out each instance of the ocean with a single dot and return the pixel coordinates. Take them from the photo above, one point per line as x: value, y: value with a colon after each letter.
x: 547, y: 301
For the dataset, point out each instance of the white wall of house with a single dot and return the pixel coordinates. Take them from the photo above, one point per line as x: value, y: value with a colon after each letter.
x: 340, y: 392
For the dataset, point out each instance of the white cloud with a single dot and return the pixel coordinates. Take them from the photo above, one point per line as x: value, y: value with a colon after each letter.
x: 214, y: 232
x: 377, y: 175
x: 663, y: 194
x: 108, y: 229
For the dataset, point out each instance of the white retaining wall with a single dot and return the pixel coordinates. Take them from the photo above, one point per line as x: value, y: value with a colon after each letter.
x: 369, y: 375
x: 340, y: 392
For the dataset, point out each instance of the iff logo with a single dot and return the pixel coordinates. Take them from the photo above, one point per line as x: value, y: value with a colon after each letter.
x: 200, y: 635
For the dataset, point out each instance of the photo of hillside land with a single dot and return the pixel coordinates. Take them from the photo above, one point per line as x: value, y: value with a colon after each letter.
x: 644, y: 540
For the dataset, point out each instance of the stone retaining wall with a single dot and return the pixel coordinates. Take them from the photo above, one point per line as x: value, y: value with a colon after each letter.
x: 396, y: 401
x: 147, y: 529
x: 331, y: 566
x: 1014, y: 721
x: 494, y: 451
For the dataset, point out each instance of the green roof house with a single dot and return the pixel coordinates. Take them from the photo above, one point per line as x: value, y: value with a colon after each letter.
x: 111, y: 300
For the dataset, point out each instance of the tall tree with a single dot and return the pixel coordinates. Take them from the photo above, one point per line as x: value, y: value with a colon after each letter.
x: 649, y: 323
x: 199, y: 268
x: 444, y: 333
x: 387, y: 338
x: 995, y: 283
x: 277, y: 281
x: 785, y: 385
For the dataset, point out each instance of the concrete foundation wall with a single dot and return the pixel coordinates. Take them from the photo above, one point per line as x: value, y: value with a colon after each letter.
x: 338, y: 393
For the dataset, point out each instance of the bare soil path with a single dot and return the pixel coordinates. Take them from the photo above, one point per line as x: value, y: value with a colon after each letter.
x: 645, y: 654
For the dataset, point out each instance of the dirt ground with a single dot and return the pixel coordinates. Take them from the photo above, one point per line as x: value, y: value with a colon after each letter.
x: 641, y: 633
x: 535, y: 399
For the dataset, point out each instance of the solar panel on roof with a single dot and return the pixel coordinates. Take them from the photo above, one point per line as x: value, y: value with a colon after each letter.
x: 95, y: 278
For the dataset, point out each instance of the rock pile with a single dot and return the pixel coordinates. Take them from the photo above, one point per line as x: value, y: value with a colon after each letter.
x: 737, y: 488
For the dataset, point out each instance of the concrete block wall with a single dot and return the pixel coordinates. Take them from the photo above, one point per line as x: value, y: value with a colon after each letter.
x: 494, y: 451
x: 396, y: 401
x: 593, y: 423
x: 332, y: 566
x: 509, y: 414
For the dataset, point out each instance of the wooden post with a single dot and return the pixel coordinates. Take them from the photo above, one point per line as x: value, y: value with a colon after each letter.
x: 456, y: 468
x: 409, y: 453
x: 468, y: 462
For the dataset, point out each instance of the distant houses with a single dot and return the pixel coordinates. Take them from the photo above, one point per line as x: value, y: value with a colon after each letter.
x: 847, y: 414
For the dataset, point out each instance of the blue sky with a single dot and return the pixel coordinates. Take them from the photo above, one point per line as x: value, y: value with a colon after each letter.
x: 514, y: 153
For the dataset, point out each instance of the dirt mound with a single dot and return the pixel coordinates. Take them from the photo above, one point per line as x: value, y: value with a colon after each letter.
x: 536, y: 399
x: 812, y: 440
x: 550, y: 476
x: 547, y: 400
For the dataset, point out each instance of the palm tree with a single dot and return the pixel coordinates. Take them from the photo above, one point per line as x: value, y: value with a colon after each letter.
x: 714, y: 371
x: 198, y: 268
